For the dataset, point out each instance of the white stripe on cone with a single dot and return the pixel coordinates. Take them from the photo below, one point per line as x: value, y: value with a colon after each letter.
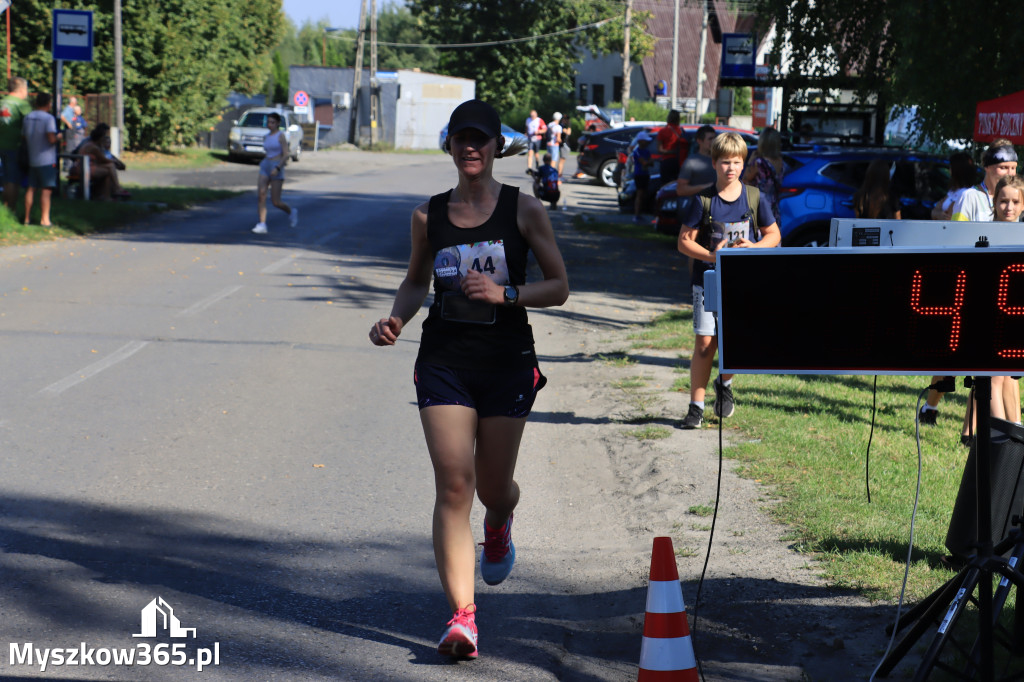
x: 665, y: 596
x: 674, y: 653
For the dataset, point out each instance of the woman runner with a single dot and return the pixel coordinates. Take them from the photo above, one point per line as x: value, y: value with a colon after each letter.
x: 275, y: 149
x: 476, y: 374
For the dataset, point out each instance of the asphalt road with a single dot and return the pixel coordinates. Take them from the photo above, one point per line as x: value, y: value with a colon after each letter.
x: 193, y: 413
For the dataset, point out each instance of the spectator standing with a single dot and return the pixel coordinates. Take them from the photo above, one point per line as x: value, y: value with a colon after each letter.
x: 875, y: 198
x: 67, y: 123
x: 670, y: 141
x: 730, y: 221
x: 975, y: 203
x: 765, y: 170
x: 39, y: 129
x: 13, y: 109
x: 962, y: 176
x: 554, y: 136
x: 563, y: 150
x: 535, y: 131
x: 641, y: 173
x: 80, y: 126
x: 698, y: 171
x: 1008, y: 203
x: 67, y: 114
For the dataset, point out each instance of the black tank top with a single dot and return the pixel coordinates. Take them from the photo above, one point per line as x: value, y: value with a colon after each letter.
x: 497, y: 249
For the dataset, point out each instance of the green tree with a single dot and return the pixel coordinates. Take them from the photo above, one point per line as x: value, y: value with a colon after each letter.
x: 181, y: 59
x: 942, y: 56
x: 953, y: 55
x: 518, y: 75
x: 396, y: 24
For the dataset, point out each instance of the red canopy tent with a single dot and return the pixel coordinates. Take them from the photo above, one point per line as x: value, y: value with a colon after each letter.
x: 1000, y: 117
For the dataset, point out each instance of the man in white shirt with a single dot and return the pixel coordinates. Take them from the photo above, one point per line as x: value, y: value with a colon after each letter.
x: 535, y: 130
x: 554, y: 138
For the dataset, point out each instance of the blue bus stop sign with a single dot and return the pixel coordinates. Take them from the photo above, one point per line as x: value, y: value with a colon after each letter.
x: 72, y: 35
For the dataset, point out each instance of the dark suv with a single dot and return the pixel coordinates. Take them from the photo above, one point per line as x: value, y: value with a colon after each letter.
x: 599, y: 151
x: 819, y: 184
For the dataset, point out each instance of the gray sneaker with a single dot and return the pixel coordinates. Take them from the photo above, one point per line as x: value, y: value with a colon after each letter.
x: 724, y: 403
x: 694, y: 418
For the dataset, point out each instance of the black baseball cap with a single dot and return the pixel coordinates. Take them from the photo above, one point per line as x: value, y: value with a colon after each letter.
x: 477, y: 114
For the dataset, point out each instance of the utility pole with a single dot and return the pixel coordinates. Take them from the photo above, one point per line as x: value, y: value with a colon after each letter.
x: 700, y: 60
x: 118, y: 80
x: 374, y: 86
x: 357, y: 79
x: 627, y: 66
x: 675, y: 54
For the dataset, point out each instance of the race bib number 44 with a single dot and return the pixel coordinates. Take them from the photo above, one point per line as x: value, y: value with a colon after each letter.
x: 453, y: 263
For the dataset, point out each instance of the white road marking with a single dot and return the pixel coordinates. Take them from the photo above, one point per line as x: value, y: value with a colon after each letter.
x: 122, y: 353
x: 209, y: 300
x: 274, y: 267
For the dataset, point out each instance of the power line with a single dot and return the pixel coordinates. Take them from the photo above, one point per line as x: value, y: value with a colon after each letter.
x: 490, y: 42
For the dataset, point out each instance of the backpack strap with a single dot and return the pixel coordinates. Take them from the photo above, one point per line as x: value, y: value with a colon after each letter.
x: 753, y: 201
x: 704, y: 227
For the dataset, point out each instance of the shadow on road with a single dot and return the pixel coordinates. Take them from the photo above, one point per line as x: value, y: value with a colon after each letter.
x: 228, y: 583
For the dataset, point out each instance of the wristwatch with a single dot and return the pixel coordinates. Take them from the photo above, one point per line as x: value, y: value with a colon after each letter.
x: 511, y: 294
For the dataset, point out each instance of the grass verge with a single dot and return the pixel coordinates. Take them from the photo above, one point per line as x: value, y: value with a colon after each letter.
x: 806, y: 436
x: 72, y: 217
x: 174, y: 158
x: 627, y: 230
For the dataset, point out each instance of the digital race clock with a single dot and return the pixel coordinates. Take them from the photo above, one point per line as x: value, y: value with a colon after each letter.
x: 859, y: 311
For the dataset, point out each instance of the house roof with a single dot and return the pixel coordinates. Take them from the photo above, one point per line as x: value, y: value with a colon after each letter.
x: 659, y: 65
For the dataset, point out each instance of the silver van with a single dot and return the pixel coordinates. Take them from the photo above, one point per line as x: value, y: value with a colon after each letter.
x: 246, y: 138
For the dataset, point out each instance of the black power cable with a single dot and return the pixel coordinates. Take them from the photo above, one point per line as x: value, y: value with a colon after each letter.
x: 707, y: 556
x: 871, y: 435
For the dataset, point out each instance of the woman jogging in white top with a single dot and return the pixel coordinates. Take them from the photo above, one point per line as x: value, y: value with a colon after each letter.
x: 275, y: 146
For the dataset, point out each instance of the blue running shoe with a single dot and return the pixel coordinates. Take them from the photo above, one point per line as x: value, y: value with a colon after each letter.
x: 498, y: 555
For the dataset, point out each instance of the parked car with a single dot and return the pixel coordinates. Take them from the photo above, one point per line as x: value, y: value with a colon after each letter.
x: 819, y: 183
x: 624, y: 170
x: 506, y: 131
x: 245, y: 141
x: 598, y: 151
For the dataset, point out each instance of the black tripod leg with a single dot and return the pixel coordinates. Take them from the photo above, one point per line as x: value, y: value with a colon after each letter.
x: 944, y: 633
x: 943, y: 594
x: 923, y: 616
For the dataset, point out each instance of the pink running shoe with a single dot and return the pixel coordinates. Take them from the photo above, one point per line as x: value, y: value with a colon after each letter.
x: 498, y: 555
x: 459, y: 640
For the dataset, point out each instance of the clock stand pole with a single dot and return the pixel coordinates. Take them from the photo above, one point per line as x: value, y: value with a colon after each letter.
x: 950, y: 600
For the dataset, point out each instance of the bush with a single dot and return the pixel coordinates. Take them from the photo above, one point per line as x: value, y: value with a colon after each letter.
x: 645, y: 111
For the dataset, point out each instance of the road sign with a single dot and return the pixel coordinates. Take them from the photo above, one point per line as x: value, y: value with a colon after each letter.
x: 72, y: 35
x: 738, y: 55
x: 300, y: 98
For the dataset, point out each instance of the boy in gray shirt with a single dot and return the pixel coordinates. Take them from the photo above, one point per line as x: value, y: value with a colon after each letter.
x: 698, y: 172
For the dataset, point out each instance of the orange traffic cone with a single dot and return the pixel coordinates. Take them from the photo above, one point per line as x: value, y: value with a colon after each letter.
x: 667, y: 652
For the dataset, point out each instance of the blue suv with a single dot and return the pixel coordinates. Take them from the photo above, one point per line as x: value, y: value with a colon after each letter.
x: 819, y: 184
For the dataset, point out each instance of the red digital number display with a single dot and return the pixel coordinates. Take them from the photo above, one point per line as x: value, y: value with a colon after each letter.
x: 1002, y: 298
x: 952, y: 311
x: 867, y: 311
